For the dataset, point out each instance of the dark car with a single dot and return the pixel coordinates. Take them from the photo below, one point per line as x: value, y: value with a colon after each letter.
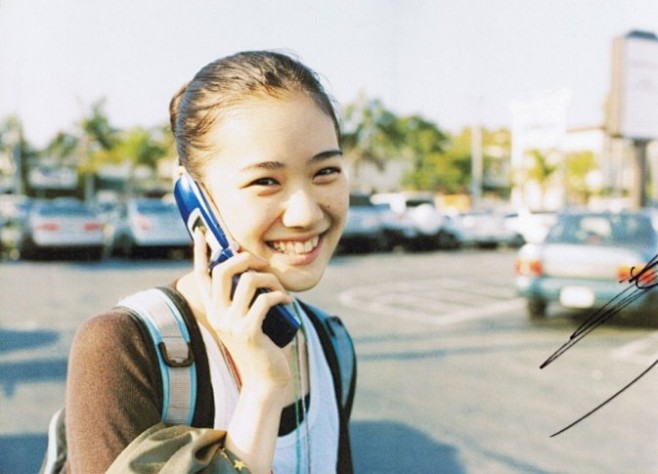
x: 587, y: 259
x: 364, y: 228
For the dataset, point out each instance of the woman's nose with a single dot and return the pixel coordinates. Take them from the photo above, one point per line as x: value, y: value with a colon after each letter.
x: 302, y: 210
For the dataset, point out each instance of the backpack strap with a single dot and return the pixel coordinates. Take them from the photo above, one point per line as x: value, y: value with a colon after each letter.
x: 339, y: 350
x: 171, y: 338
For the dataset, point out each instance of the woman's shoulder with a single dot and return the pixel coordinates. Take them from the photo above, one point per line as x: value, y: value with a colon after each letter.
x: 109, y: 334
x: 112, y: 323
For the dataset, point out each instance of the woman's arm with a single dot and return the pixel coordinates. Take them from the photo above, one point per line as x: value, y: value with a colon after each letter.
x: 236, y: 315
x: 112, y: 392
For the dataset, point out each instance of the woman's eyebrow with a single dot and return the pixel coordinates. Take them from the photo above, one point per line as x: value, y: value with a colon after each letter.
x: 325, y: 155
x: 276, y: 165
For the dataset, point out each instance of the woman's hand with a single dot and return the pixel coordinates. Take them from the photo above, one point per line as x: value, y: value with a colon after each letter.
x: 237, y: 316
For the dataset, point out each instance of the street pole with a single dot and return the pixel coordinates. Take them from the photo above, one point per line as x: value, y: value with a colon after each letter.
x: 476, y: 165
x: 17, y: 155
x: 641, y: 175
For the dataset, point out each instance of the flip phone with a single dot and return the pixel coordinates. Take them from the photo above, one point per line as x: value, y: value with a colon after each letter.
x: 279, y: 324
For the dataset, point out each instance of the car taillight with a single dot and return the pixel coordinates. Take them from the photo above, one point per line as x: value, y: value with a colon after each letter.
x: 639, y: 274
x: 48, y: 226
x: 92, y: 226
x: 528, y: 267
x: 142, y: 222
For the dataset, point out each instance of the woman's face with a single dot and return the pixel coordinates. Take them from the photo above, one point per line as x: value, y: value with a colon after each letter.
x: 279, y: 182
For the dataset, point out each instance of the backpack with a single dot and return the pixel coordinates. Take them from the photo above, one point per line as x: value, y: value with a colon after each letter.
x: 160, y: 313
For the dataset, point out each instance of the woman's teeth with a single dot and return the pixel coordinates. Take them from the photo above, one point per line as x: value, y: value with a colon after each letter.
x: 295, y: 248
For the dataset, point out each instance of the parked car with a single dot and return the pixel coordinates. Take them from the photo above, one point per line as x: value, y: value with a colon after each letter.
x: 415, y: 222
x: 147, y: 225
x: 485, y: 229
x: 586, y: 260
x: 531, y: 225
x: 13, y: 213
x: 61, y: 225
x: 364, y: 230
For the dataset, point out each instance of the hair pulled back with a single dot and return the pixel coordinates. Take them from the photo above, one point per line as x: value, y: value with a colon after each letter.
x: 223, y: 84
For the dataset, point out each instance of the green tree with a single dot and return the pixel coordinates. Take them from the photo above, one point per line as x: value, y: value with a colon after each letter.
x: 542, y: 169
x: 371, y: 133
x: 141, y: 147
x: 426, y: 145
x: 96, y: 140
x: 579, y: 165
x: 21, y: 153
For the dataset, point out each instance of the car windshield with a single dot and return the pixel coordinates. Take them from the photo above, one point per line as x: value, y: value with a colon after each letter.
x: 359, y: 200
x: 418, y: 202
x: 154, y: 207
x: 51, y: 211
x: 630, y: 230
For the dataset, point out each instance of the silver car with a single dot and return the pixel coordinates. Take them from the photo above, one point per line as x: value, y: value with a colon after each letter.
x: 149, y: 225
x: 592, y: 260
x: 54, y: 227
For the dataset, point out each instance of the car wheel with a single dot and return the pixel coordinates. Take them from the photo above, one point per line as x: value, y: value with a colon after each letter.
x: 447, y: 240
x: 27, y: 249
x: 536, y: 309
x: 94, y: 254
x: 124, y: 246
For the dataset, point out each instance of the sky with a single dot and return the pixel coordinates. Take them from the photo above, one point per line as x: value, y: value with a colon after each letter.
x: 456, y: 62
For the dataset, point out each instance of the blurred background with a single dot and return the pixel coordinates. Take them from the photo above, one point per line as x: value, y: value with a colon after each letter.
x: 504, y: 168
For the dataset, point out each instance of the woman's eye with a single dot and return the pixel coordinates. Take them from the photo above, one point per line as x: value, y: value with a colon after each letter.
x: 264, y: 182
x: 328, y: 172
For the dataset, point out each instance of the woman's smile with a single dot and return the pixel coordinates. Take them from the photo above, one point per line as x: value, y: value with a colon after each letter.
x: 295, y: 247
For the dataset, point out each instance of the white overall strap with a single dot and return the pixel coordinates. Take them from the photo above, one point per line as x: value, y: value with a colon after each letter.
x: 171, y: 339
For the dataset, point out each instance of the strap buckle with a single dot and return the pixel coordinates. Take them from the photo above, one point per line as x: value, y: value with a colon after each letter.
x: 176, y: 361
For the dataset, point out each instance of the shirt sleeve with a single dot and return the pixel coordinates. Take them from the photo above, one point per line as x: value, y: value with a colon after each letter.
x: 113, y: 391
x: 178, y: 449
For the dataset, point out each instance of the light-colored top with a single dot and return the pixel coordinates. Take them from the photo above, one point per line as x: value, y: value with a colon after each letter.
x: 318, y: 433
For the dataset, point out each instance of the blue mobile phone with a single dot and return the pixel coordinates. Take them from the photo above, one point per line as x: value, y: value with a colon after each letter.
x: 280, y: 324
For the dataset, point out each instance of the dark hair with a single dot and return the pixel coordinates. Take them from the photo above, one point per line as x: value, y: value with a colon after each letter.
x: 228, y: 82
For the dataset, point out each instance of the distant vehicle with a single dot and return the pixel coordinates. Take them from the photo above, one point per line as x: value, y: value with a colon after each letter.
x: 364, y: 231
x: 146, y: 225
x: 485, y: 229
x: 586, y: 260
x: 415, y: 223
x: 13, y: 212
x: 531, y: 225
x: 56, y: 226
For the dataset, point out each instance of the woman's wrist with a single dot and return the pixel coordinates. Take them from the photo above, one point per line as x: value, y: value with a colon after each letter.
x: 253, y: 430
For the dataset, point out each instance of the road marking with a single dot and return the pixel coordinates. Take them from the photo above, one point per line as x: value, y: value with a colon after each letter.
x: 642, y: 351
x: 410, y: 300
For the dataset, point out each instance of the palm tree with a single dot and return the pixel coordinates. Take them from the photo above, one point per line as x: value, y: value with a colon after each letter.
x: 96, y: 141
x: 371, y: 133
x: 19, y: 150
x: 141, y: 147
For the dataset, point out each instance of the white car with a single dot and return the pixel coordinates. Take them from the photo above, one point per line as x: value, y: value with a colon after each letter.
x: 486, y: 229
x: 61, y: 225
x: 415, y: 222
x: 147, y: 225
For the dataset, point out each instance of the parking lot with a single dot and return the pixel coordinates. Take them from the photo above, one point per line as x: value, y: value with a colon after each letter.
x: 449, y: 377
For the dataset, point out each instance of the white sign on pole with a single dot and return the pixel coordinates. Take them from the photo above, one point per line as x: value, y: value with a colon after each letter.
x: 634, y: 93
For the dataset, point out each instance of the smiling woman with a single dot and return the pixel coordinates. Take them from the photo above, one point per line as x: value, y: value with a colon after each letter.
x: 258, y: 140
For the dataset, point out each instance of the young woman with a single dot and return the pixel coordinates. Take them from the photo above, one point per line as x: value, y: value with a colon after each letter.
x: 259, y: 135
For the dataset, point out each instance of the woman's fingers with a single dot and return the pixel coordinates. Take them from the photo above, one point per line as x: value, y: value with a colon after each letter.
x: 248, y: 284
x: 225, y: 275
x: 201, y: 274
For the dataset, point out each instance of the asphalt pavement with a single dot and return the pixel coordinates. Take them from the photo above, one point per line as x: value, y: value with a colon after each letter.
x: 449, y: 379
